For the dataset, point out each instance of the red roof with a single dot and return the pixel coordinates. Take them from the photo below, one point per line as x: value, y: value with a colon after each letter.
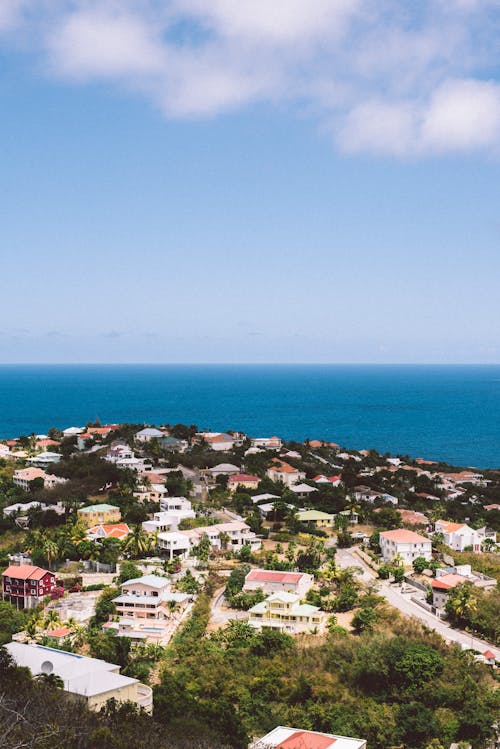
x: 274, y: 576
x: 446, y: 582
x: 334, y: 478
x: 489, y: 655
x: 307, y: 740
x: 60, y: 632
x: 239, y: 478
x: 25, y: 572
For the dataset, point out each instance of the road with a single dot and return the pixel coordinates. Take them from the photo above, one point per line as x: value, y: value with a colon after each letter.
x: 402, y: 601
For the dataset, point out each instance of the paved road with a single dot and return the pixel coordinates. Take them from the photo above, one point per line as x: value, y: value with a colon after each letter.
x: 402, y: 602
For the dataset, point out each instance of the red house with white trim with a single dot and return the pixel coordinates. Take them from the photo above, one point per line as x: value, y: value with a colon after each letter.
x: 26, y: 586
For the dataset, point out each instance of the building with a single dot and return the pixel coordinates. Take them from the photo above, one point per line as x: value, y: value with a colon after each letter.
x: 285, y: 612
x: 147, y: 434
x: 316, y: 518
x: 147, y: 597
x: 219, y: 441
x: 44, y: 460
x: 448, y: 578
x: 152, y: 493
x: 168, y: 520
x: 273, y: 581
x: 102, y: 514
x: 26, y: 586
x: 89, y: 679
x: 24, y: 476
x: 285, y: 473
x: 177, y: 505
x: 330, y: 480
x: 267, y: 443
x: 409, y: 517
x: 232, y: 535
x: 223, y: 469
x: 283, y: 737
x: 404, y: 544
x: 459, y: 536
x: 303, y: 490
x: 242, y: 479
x: 115, y: 530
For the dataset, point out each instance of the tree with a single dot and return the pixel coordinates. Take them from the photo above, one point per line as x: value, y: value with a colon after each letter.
x: 364, y: 619
x: 128, y: 571
x: 461, y: 603
x: 50, y: 551
x: 138, y: 542
x: 420, y: 564
x: 11, y: 621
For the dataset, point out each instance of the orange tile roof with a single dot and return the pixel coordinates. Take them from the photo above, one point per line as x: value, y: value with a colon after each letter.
x: 282, y: 467
x: 488, y: 655
x: 446, y: 582
x: 272, y: 576
x: 241, y: 478
x: 307, y: 740
x: 25, y: 572
x: 60, y: 632
x: 450, y: 527
x: 401, y: 535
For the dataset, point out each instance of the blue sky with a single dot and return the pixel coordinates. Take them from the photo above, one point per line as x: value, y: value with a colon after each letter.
x: 195, y: 181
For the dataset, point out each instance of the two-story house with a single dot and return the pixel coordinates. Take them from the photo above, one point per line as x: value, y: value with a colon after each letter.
x: 102, y: 514
x: 459, y: 536
x: 285, y: 473
x: 275, y: 581
x: 285, y: 612
x: 405, y: 545
x: 26, y: 586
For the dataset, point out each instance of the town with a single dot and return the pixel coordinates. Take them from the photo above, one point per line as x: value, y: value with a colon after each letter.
x: 141, y: 563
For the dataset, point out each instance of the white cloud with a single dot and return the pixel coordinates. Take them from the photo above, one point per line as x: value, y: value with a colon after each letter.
x: 382, y: 76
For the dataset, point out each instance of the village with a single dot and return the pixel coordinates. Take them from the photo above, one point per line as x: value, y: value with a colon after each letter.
x: 113, y: 536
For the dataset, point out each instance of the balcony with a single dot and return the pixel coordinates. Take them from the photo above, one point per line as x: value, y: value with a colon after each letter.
x: 145, y: 698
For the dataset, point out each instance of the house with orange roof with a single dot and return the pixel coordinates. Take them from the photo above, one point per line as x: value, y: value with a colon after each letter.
x: 459, y: 536
x: 267, y: 443
x: 410, y: 517
x: 492, y: 507
x: 113, y: 530
x: 242, y: 479
x: 26, y: 586
x: 283, y: 737
x: 442, y: 585
x: 219, y: 441
x: 284, y: 472
x: 58, y: 635
x: 24, y: 476
x: 405, y: 545
x: 274, y: 581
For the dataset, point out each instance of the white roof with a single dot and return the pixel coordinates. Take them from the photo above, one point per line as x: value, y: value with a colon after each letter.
x: 81, y: 675
x: 224, y: 467
x: 150, y: 432
x: 154, y: 581
x: 303, y: 489
x: 73, y: 430
x: 263, y: 497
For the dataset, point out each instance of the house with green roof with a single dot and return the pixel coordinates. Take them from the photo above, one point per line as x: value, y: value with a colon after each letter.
x: 99, y: 515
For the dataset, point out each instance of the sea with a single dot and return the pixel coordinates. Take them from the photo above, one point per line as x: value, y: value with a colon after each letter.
x: 449, y: 413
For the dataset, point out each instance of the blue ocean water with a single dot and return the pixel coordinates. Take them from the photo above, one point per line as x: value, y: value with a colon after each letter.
x: 439, y: 412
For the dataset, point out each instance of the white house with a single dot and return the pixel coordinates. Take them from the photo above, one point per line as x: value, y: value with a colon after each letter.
x: 285, y: 612
x: 167, y: 520
x: 147, y: 597
x: 284, y: 737
x: 405, y: 544
x: 223, y: 469
x: 147, y: 434
x: 180, y: 543
x: 176, y: 504
x: 458, y: 536
x: 274, y: 581
x: 284, y: 472
x: 219, y: 441
x: 44, y: 460
x: 267, y: 443
x: 89, y: 679
x: 24, y: 476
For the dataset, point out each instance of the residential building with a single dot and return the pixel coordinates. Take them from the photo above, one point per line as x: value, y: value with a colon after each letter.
x: 147, y: 434
x: 274, y: 581
x: 102, y: 514
x: 242, y: 479
x: 147, y: 597
x: 266, y: 497
x: 24, y: 476
x: 331, y: 480
x: 223, y: 469
x: 89, y: 679
x: 459, y: 536
x: 167, y: 520
x: 44, y: 460
x: 172, y: 444
x: 269, y: 511
x: 405, y: 545
x: 409, y: 517
x: 303, y: 490
x: 316, y: 518
x: 284, y: 737
x: 26, y: 586
x: 448, y: 578
x: 284, y: 472
x: 114, y: 530
x: 151, y: 493
x: 219, y: 441
x: 267, y: 443
x: 119, y: 451
x: 180, y: 543
x: 365, y: 494
x: 176, y: 505
x: 73, y: 431
x: 492, y: 507
x: 283, y: 611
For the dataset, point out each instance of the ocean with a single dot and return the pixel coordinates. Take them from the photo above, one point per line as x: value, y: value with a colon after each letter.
x: 450, y: 413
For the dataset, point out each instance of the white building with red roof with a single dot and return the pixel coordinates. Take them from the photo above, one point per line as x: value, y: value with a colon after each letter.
x: 284, y: 737
x: 284, y: 472
x: 459, y: 536
x: 242, y: 479
x: 26, y: 586
x: 273, y: 581
x: 405, y: 545
x: 267, y: 443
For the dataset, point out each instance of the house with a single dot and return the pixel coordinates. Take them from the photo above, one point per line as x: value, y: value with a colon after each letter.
x: 99, y: 515
x: 168, y: 520
x: 466, y: 477
x: 26, y: 586
x: 492, y: 507
x: 409, y: 517
x: 114, y: 530
x: 147, y: 597
x: 364, y: 494
x: 181, y: 543
x: 24, y: 476
x: 266, y: 497
x: 267, y: 443
x: 44, y: 443
x: 273, y: 581
x: 90, y: 679
x: 152, y: 493
x: 283, y: 611
x: 73, y: 431
x: 219, y: 441
x: 316, y: 518
x: 303, y: 490
x: 284, y: 737
x: 285, y: 473
x: 44, y: 460
x: 147, y: 434
x: 316, y: 444
x: 459, y: 536
x: 448, y: 578
x: 172, y: 444
x: 223, y: 469
x: 22, y: 509
x: 57, y: 636
x: 404, y: 544
x: 269, y: 511
x: 331, y: 480
x: 118, y: 452
x: 177, y: 505
x: 242, y: 479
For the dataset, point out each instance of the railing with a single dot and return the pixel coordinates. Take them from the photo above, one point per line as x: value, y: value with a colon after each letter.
x: 145, y: 697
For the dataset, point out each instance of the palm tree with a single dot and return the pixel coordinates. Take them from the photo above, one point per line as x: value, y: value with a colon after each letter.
x: 50, y: 551
x: 51, y: 618
x: 461, y: 602
x: 138, y: 541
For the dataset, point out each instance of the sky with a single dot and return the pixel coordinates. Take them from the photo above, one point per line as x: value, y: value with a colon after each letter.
x: 250, y: 181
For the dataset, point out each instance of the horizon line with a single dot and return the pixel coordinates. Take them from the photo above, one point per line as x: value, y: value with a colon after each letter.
x: 249, y: 364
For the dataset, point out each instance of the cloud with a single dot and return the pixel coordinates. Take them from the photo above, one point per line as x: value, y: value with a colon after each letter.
x: 381, y: 76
